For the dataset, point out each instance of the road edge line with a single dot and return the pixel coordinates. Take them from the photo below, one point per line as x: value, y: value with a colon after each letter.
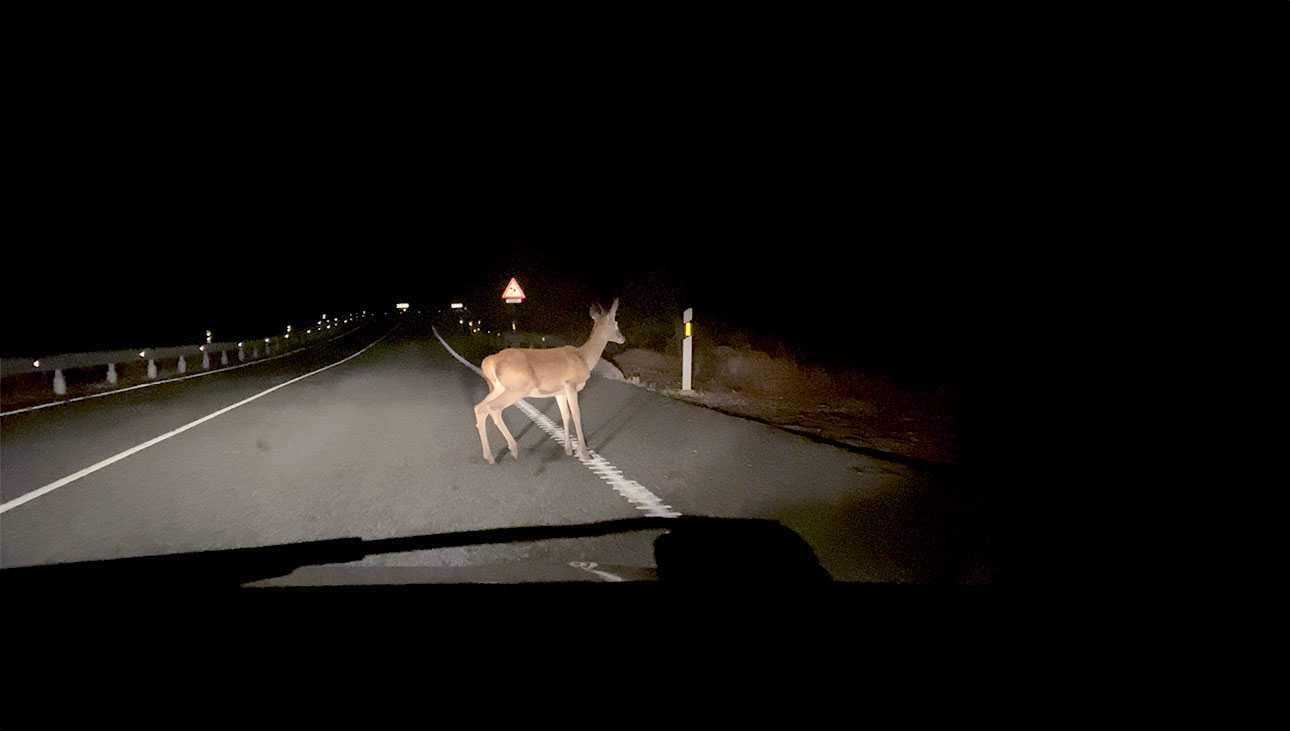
x: 45, y: 490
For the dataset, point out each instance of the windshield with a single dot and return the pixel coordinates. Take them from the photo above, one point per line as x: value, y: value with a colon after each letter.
x: 378, y: 423
x: 280, y: 343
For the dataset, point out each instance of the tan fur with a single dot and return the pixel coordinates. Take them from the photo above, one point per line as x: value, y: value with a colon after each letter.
x: 559, y: 373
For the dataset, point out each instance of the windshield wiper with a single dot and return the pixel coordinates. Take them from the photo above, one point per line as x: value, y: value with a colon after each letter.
x: 743, y: 548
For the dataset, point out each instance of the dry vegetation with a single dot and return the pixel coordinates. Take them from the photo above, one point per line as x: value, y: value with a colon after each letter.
x: 864, y: 410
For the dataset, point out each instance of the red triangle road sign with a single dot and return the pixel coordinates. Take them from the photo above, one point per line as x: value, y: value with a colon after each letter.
x: 513, y: 291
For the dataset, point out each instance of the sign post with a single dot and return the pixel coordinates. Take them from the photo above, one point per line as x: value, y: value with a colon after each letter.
x: 687, y: 349
x: 513, y: 296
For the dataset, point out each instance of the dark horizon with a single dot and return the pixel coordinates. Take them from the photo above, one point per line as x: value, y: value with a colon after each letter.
x: 838, y: 282
x: 905, y: 324
x: 886, y: 241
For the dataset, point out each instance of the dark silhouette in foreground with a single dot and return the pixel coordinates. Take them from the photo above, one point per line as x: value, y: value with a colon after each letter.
x: 694, y: 550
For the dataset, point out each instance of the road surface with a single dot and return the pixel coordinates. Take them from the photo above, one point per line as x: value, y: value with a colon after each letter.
x: 373, y: 436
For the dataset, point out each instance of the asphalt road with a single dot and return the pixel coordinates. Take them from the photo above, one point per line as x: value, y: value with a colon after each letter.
x: 373, y: 436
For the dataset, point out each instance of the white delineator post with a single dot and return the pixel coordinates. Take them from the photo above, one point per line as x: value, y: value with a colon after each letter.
x: 687, y: 349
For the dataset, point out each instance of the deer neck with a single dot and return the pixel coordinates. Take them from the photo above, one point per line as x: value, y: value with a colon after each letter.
x: 595, y: 345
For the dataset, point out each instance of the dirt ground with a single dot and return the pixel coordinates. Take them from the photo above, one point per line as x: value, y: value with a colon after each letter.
x: 863, y: 410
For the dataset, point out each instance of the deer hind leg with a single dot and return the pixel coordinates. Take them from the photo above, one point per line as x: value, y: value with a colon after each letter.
x: 510, y: 440
x: 492, y: 406
x: 571, y: 396
x: 481, y: 423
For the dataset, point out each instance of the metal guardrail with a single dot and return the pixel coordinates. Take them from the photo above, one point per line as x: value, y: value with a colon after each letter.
x: 189, y: 357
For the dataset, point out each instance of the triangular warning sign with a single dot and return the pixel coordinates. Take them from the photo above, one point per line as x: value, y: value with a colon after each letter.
x: 513, y: 291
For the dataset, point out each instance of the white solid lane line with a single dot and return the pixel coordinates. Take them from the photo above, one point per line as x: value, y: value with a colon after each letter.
x: 163, y: 381
x: 28, y: 497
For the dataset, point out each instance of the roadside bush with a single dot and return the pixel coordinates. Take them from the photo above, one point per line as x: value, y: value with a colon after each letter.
x: 656, y: 334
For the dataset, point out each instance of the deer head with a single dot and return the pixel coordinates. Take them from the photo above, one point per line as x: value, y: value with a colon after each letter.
x: 607, y: 324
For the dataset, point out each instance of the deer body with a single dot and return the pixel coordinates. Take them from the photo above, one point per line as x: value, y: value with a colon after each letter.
x: 559, y: 373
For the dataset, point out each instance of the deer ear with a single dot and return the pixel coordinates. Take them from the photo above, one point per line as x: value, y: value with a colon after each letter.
x: 613, y: 309
x: 596, y: 312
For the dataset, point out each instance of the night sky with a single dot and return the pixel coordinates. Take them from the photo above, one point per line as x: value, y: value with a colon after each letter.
x: 842, y: 189
x: 758, y: 256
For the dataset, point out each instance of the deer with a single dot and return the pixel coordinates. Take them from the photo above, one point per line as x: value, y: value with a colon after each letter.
x: 559, y: 373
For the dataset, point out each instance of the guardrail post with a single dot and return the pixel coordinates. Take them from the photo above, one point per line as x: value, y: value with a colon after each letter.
x: 152, y: 369
x: 223, y: 357
x: 112, y: 373
x: 60, y: 385
x: 182, y: 366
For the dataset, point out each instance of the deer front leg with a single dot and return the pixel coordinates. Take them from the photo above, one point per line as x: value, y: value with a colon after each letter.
x: 571, y: 395
x: 564, y: 417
